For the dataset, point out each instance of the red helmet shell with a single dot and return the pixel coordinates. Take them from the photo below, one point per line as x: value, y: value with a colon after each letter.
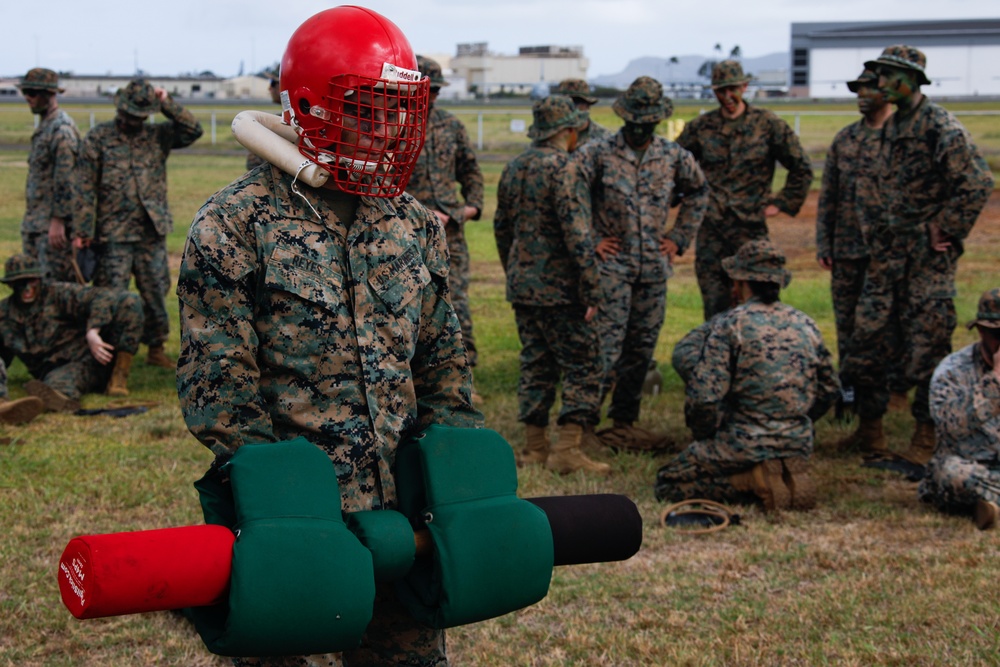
x: 333, y: 63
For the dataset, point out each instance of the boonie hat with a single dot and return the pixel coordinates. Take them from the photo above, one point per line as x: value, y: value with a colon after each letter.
x: 728, y: 73
x: 138, y: 98
x: 866, y: 78
x: 988, y: 312
x: 40, y: 78
x: 907, y: 57
x: 576, y: 89
x: 759, y: 261
x: 432, y: 70
x: 21, y: 267
x: 553, y: 114
x: 643, y: 102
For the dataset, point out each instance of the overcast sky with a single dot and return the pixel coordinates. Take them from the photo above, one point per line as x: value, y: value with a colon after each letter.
x: 169, y: 38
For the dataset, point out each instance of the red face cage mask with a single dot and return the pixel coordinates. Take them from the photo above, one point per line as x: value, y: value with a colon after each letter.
x: 369, y: 134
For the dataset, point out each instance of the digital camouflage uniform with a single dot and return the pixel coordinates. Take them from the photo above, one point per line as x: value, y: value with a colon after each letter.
x: 738, y: 158
x: 756, y: 378
x: 930, y: 172
x: 340, y: 332
x: 49, y: 335
x: 55, y: 145
x: 631, y: 197
x: 579, y: 90
x: 965, y: 406
x: 446, y: 160
x: 123, y: 207
x: 542, y: 229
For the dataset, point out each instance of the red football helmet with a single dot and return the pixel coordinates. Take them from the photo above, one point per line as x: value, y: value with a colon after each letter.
x: 350, y: 85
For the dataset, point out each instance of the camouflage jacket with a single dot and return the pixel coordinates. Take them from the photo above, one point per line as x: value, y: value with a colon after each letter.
x: 542, y: 229
x: 965, y: 406
x: 766, y: 371
x: 688, y: 350
x: 849, y: 199
x: 341, y: 333
x: 593, y: 132
x: 738, y: 158
x: 631, y: 200
x: 123, y: 178
x: 447, y: 158
x: 50, y: 332
x: 51, y: 164
x: 931, y: 172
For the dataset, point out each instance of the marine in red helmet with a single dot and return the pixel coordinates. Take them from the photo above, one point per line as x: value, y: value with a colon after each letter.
x: 323, y: 312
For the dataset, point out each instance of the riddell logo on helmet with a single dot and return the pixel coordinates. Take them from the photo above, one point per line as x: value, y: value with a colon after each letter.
x: 392, y: 73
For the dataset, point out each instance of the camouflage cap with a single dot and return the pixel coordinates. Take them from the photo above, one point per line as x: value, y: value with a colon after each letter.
x: 906, y: 57
x: 988, y: 312
x: 866, y: 78
x: 759, y: 261
x: 728, y: 73
x: 432, y: 70
x: 40, y: 78
x: 138, y: 98
x: 21, y: 267
x: 576, y: 89
x: 643, y: 102
x: 552, y: 114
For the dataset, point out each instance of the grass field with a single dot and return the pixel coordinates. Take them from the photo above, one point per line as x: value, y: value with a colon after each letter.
x: 871, y: 577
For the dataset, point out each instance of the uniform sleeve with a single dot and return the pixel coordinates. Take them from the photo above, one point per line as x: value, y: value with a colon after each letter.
x: 827, y: 381
x: 711, y: 379
x: 688, y: 350
x: 826, y: 211
x: 88, y: 176
x: 691, y: 186
x: 788, y: 151
x: 688, y: 139
x: 442, y: 379
x: 467, y: 172
x: 67, y: 147
x: 183, y: 128
x: 217, y: 372
x: 573, y: 207
x: 504, y: 218
x: 970, y: 182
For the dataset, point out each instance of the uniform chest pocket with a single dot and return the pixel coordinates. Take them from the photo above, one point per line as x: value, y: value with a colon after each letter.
x: 399, y: 281
x: 301, y: 313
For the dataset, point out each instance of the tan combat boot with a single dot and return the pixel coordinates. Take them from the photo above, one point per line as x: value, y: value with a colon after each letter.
x: 536, y: 445
x: 157, y: 357
x: 21, y: 411
x: 987, y: 515
x: 869, y: 438
x: 797, y: 475
x: 922, y: 444
x: 118, y: 384
x: 54, y: 400
x: 764, y: 480
x: 566, y: 457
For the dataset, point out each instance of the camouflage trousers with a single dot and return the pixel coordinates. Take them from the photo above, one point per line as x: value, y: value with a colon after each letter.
x: 847, y: 279
x: 458, y: 285
x: 146, y: 260
x: 56, y: 265
x: 556, y: 341
x: 628, y: 323
x: 906, y: 312
x: 716, y: 242
x: 85, y: 374
x: 954, y: 484
x: 703, y: 470
x: 393, y: 637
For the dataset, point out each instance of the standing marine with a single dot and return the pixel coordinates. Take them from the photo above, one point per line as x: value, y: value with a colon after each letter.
x: 123, y: 200
x: 738, y: 146
x: 579, y: 91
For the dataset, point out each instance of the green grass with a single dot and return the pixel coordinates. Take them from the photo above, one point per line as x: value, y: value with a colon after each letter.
x: 869, y: 577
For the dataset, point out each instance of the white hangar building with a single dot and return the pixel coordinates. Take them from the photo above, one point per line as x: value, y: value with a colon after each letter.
x: 963, y: 56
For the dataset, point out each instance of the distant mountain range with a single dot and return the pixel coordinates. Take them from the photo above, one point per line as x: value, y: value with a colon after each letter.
x: 685, y: 70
